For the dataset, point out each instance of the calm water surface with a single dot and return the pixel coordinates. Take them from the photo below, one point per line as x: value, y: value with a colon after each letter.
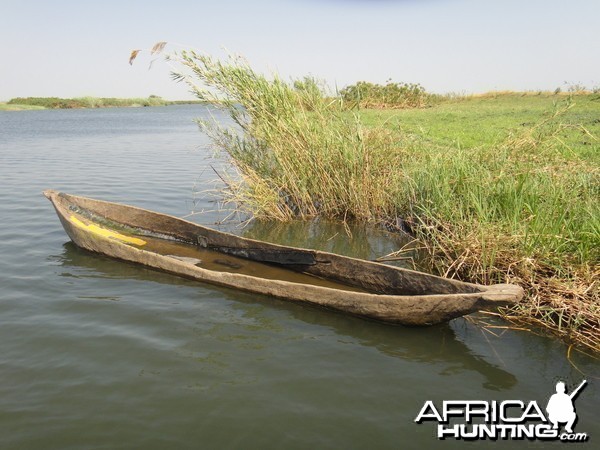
x: 96, y: 353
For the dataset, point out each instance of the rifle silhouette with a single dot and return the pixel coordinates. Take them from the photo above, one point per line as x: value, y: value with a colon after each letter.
x: 576, y: 391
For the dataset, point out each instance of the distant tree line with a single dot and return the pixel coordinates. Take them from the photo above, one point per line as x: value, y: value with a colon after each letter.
x: 92, y: 102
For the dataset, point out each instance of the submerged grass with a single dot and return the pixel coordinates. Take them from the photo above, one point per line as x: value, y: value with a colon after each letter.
x: 520, y: 206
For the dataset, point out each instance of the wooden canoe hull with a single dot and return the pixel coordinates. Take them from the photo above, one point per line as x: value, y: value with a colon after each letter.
x: 393, y: 295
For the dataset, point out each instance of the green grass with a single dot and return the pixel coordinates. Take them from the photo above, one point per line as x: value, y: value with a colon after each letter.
x: 487, y: 120
x: 507, y: 188
x: 498, y: 188
x: 523, y: 166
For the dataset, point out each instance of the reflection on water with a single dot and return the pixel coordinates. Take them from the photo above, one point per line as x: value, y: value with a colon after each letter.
x: 356, y: 240
x: 437, y: 344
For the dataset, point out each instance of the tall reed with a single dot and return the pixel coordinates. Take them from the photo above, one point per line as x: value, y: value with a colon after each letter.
x: 299, y: 152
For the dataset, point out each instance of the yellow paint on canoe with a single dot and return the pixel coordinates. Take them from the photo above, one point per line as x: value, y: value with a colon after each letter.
x: 110, y: 234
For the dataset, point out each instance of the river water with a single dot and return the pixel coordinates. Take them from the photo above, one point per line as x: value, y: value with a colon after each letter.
x: 96, y: 353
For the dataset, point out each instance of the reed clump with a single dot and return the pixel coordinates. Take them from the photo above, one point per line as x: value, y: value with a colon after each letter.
x: 523, y: 210
x: 300, y: 153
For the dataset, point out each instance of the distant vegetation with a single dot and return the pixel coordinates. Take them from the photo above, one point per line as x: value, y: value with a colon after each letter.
x: 87, y: 102
x: 390, y: 96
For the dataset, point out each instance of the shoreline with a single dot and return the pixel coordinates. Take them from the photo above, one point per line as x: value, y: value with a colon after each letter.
x: 44, y: 103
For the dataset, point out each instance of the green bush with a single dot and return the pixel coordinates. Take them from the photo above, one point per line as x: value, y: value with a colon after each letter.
x: 390, y: 95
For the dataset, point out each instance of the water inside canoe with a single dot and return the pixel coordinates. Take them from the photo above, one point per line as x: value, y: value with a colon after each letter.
x: 199, y: 256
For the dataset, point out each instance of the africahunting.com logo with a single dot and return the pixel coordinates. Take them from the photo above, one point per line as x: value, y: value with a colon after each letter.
x: 509, y: 419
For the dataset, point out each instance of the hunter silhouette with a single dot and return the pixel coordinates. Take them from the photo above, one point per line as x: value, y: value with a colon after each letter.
x: 560, y: 407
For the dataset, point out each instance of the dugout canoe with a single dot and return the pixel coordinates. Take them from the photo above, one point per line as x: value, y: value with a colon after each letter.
x: 363, y: 288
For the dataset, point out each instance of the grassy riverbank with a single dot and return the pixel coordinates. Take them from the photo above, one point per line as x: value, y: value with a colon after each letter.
x: 506, y: 188
x: 497, y: 188
x: 27, y: 103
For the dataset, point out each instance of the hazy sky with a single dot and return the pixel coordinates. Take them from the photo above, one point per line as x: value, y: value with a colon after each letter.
x: 79, y: 48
